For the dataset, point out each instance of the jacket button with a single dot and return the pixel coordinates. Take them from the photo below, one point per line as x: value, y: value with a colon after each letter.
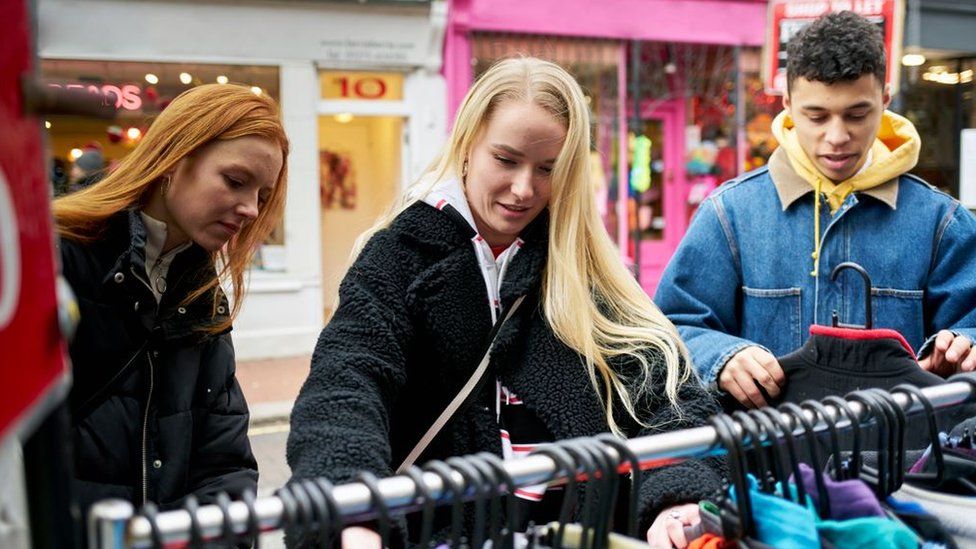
x: 158, y: 463
x: 181, y: 310
x: 119, y: 277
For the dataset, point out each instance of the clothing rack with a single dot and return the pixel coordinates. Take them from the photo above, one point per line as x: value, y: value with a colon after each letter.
x: 113, y: 523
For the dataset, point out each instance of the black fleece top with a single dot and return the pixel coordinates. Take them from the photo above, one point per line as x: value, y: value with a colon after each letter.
x: 411, y: 326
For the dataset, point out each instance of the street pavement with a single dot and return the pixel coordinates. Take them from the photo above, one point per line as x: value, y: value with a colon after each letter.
x: 270, y: 387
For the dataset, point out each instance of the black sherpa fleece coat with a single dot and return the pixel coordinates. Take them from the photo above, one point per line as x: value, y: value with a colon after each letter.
x: 412, y: 324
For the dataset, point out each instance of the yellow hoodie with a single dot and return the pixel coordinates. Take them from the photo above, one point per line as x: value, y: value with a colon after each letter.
x: 894, y: 152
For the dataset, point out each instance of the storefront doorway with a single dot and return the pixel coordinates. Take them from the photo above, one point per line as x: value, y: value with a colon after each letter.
x: 660, y: 210
x: 359, y: 178
x: 362, y: 136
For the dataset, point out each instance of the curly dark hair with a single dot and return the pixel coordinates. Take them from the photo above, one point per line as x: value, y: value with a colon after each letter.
x: 840, y: 46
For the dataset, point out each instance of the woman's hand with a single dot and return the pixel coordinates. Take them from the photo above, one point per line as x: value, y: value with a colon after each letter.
x: 667, y: 531
x: 357, y: 537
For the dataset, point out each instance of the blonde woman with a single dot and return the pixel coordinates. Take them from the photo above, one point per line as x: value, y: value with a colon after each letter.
x: 157, y: 413
x: 507, y: 211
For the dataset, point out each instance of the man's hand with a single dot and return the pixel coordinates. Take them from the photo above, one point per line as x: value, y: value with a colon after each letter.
x: 745, y: 369
x: 357, y: 537
x: 950, y: 354
x: 667, y: 531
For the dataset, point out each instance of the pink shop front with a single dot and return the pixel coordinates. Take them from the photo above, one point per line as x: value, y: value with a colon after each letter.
x: 675, y: 94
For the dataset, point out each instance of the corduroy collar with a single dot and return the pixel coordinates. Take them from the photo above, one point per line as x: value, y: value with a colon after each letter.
x: 790, y: 186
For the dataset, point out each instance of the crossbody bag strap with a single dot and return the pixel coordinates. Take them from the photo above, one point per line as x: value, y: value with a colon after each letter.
x: 459, y: 399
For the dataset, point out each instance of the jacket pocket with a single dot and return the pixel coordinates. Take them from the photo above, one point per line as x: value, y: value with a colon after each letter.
x: 771, y: 318
x: 900, y: 310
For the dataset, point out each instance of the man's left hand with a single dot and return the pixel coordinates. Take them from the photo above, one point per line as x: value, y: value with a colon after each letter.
x: 667, y: 531
x: 950, y: 354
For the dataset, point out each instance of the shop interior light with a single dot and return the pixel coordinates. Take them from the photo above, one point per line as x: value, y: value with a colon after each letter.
x: 343, y: 117
x: 256, y: 90
x: 74, y: 154
x: 152, y: 78
x: 222, y: 79
x: 941, y: 75
x: 133, y: 133
x: 913, y: 60
x: 185, y: 77
x: 47, y: 124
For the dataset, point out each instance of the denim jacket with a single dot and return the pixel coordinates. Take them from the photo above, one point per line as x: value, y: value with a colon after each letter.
x: 742, y: 274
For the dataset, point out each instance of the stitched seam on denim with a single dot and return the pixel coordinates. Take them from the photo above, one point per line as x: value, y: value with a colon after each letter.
x: 770, y: 292
x: 896, y: 292
x: 727, y: 229
x: 940, y: 233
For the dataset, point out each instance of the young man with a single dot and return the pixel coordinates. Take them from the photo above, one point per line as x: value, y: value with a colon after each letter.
x: 753, y: 272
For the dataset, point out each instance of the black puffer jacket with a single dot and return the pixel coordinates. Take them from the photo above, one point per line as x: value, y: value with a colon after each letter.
x: 413, y: 323
x: 157, y: 411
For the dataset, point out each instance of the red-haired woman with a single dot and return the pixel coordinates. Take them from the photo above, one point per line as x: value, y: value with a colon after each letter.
x: 157, y: 413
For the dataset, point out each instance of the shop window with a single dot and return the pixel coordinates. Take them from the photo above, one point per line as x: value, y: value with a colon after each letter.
x: 940, y: 99
x: 140, y: 91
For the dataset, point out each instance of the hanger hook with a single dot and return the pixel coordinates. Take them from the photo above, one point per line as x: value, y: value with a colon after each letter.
x: 867, y: 288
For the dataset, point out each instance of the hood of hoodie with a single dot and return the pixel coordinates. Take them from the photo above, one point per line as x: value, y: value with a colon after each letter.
x: 894, y: 152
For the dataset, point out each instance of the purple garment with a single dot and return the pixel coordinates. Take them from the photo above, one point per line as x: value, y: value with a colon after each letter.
x: 849, y: 499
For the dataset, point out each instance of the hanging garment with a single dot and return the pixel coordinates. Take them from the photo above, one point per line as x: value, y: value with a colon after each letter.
x: 836, y: 361
x: 926, y: 525
x: 868, y: 533
x: 955, y: 512
x: 849, y: 499
x: 710, y: 541
x: 779, y: 522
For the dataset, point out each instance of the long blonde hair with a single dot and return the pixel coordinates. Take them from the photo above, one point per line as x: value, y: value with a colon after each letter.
x: 191, y: 121
x: 590, y: 300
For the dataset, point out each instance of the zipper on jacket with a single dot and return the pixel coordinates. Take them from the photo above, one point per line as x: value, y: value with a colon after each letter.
x: 145, y: 426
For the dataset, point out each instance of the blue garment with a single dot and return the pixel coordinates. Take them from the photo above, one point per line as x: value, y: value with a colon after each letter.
x: 741, y: 275
x: 781, y: 523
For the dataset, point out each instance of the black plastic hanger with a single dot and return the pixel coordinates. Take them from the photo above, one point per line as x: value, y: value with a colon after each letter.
x: 589, y: 467
x: 511, y: 503
x: 289, y: 509
x: 378, y: 504
x: 851, y: 467
x: 898, y: 437
x: 609, y: 489
x: 327, y: 532
x: 319, y: 512
x: 773, y: 452
x: 725, y: 431
x: 191, y: 505
x: 877, y: 477
x: 820, y: 411
x: 480, y: 491
x: 253, y: 525
x: 763, y: 472
x: 626, y: 454
x: 936, y: 478
x: 456, y: 498
x: 305, y: 511
x: 149, y: 512
x: 222, y: 500
x: 813, y: 447
x: 492, y: 484
x: 867, y: 295
x: 565, y: 466
x: 791, y: 450
x: 422, y: 496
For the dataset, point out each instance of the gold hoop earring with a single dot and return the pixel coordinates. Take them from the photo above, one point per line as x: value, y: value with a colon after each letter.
x: 164, y: 186
x: 464, y: 171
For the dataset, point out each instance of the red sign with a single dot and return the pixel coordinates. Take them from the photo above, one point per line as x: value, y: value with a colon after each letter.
x: 32, y: 363
x: 786, y: 18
